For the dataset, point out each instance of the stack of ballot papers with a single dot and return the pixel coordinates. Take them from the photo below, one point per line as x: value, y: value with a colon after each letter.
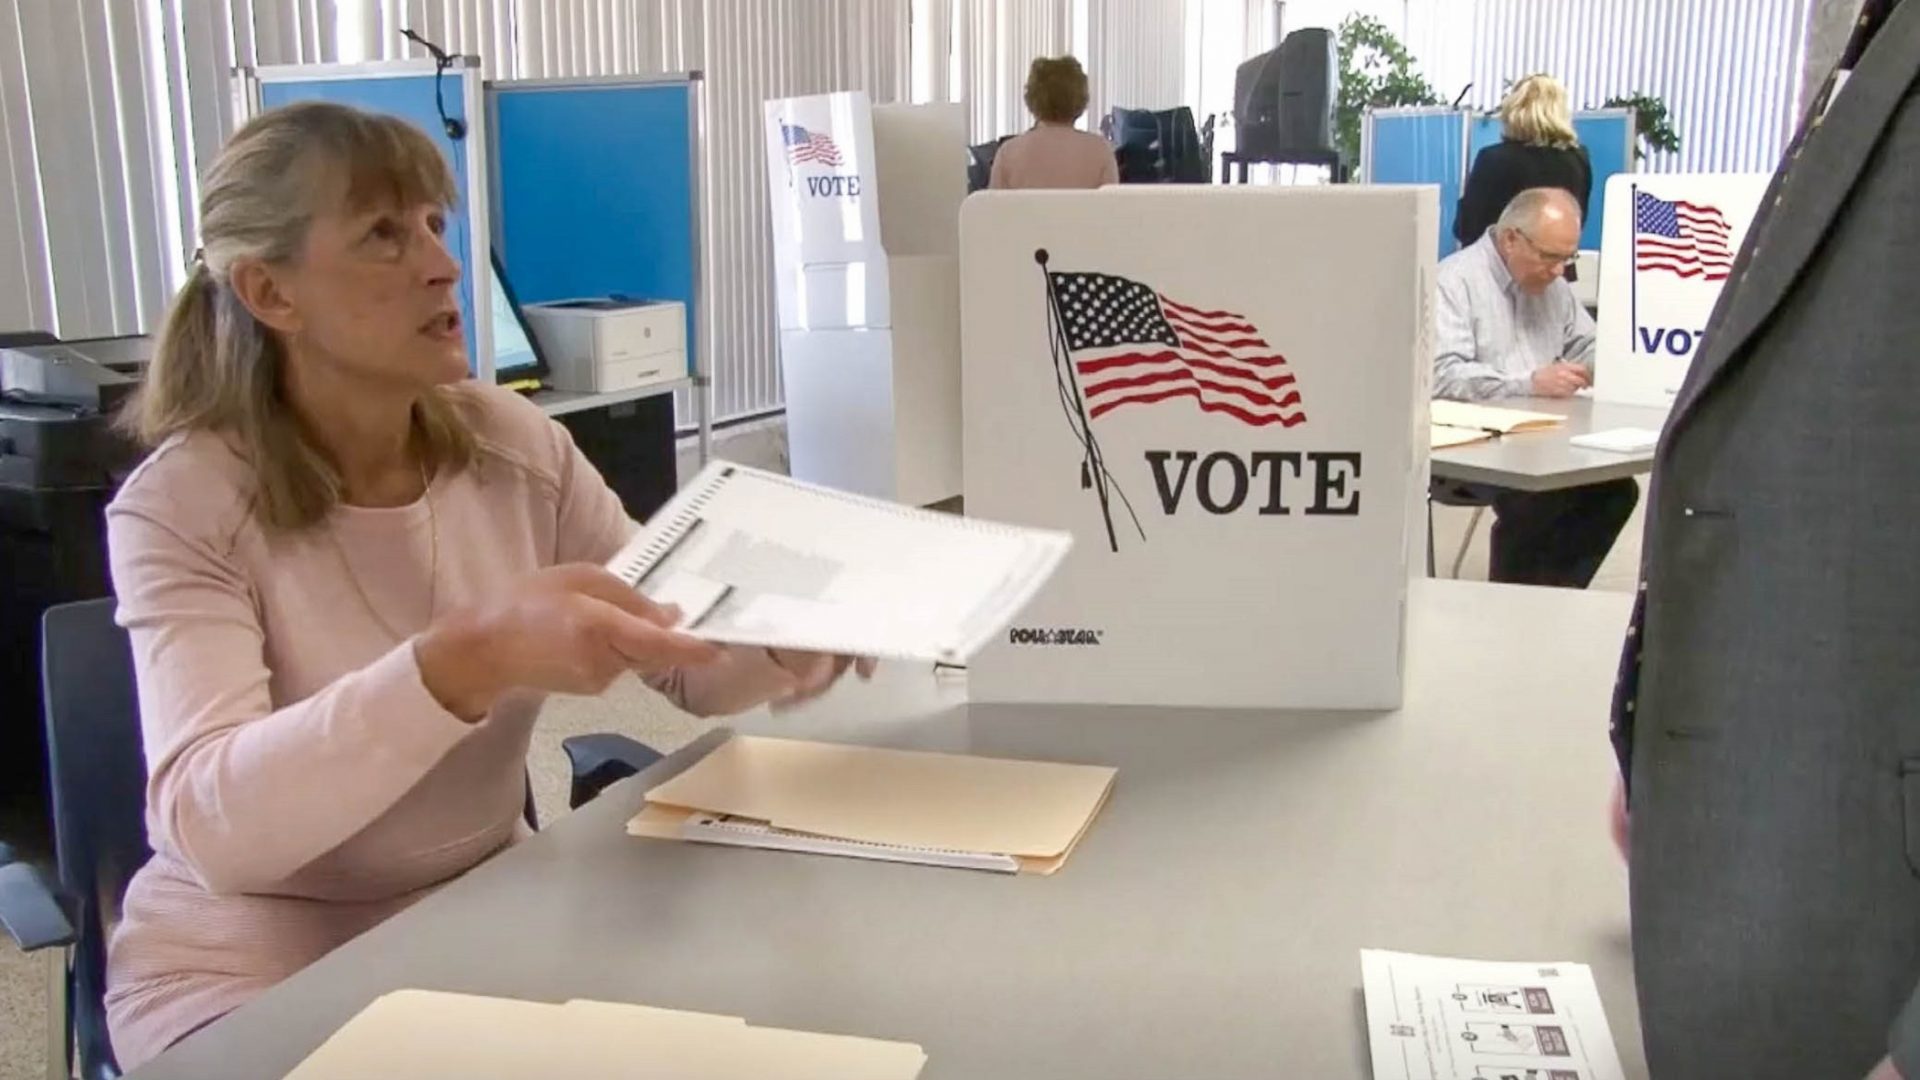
x: 755, y: 558
x: 863, y: 802
x: 427, y: 1035
x: 1457, y: 423
x: 1430, y: 1018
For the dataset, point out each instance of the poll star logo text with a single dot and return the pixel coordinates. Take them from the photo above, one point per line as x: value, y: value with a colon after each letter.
x: 1061, y: 635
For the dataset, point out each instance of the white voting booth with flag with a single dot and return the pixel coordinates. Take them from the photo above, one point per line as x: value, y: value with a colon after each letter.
x: 1666, y: 254
x: 864, y: 201
x: 1222, y: 393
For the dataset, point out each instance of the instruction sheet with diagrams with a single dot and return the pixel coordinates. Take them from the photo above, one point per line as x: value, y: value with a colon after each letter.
x: 1431, y: 1018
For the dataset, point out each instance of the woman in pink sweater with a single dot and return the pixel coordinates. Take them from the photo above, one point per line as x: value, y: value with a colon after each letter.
x: 349, y: 575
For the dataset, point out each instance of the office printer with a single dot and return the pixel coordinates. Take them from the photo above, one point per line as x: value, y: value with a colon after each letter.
x: 56, y: 412
x: 60, y: 463
x: 605, y: 345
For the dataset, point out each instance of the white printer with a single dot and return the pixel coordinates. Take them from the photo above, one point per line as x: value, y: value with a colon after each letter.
x: 607, y: 344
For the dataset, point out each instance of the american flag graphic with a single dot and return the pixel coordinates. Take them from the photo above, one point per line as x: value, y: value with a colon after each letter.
x: 1131, y: 345
x: 809, y: 147
x: 1687, y: 239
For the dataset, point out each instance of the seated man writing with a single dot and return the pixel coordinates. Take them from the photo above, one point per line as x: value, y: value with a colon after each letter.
x: 1507, y: 325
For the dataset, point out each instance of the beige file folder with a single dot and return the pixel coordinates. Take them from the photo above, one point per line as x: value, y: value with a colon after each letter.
x: 1034, y: 811
x: 427, y: 1035
x: 1491, y: 419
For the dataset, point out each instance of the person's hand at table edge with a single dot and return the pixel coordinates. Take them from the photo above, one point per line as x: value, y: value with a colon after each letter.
x: 1561, y: 379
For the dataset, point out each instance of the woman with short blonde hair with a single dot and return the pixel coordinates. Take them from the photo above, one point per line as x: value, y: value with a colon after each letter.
x: 349, y: 574
x: 1538, y: 149
x: 1053, y: 153
x: 1537, y: 112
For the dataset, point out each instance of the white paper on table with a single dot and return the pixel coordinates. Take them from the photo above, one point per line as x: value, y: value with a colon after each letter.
x: 754, y: 558
x: 1626, y: 440
x: 1431, y: 1018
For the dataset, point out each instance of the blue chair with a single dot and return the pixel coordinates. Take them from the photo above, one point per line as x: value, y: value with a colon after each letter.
x: 98, y: 776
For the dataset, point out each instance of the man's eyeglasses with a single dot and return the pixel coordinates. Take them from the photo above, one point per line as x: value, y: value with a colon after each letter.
x: 1552, y: 258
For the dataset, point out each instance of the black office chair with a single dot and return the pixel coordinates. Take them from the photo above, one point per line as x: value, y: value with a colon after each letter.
x: 98, y: 776
x: 1453, y: 493
x: 980, y: 163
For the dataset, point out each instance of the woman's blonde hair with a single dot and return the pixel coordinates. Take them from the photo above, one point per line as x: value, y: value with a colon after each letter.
x: 1538, y: 112
x: 1056, y: 89
x: 215, y: 367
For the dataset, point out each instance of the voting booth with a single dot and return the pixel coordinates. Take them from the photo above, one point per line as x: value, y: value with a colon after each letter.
x: 1236, y: 438
x: 1668, y: 251
x: 865, y: 202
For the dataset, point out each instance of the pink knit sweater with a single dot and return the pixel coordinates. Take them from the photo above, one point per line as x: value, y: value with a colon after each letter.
x: 304, y: 784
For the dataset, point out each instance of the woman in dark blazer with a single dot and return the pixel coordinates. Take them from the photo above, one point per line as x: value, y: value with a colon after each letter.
x: 1537, y: 149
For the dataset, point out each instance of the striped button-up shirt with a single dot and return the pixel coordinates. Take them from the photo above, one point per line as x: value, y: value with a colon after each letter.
x: 1490, y: 336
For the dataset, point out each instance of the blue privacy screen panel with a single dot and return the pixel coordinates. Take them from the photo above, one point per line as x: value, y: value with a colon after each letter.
x: 1421, y: 148
x: 594, y: 192
x: 409, y: 97
x: 1608, y: 139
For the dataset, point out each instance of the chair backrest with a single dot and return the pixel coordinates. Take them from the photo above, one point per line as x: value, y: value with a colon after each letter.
x: 98, y: 775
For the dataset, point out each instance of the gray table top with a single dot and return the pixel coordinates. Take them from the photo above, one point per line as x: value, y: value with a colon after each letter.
x: 1209, y: 925
x: 1546, y: 460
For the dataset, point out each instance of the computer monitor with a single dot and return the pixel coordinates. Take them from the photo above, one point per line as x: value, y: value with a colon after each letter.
x: 516, y: 353
x: 1283, y: 99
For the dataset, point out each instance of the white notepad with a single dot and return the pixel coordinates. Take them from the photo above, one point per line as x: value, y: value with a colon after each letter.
x: 1619, y: 440
x: 754, y: 558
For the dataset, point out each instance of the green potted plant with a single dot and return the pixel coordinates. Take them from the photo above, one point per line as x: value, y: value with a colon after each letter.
x: 1650, y: 122
x: 1376, y: 72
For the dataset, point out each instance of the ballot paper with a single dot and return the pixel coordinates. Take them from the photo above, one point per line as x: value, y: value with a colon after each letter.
x: 754, y: 558
x: 1430, y: 1018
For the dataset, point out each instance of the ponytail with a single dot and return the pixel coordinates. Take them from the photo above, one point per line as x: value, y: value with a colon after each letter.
x: 180, y: 390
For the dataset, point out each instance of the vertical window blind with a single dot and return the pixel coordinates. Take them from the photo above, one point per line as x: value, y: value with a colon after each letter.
x: 1729, y: 70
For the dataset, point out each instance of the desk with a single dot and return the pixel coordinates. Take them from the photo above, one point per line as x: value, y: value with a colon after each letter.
x: 1546, y: 460
x: 558, y: 403
x: 1209, y: 925
x: 562, y: 402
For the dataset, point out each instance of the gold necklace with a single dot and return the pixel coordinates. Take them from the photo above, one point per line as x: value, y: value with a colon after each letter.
x: 433, y: 564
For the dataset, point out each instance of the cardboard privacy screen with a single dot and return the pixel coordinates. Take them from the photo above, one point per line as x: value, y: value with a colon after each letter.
x: 1667, y: 252
x: 1222, y: 395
